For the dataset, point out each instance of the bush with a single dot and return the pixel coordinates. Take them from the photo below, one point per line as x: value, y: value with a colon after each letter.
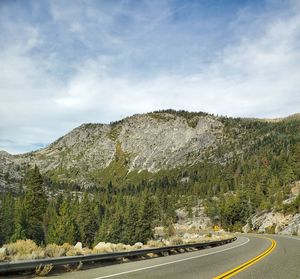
x: 21, y: 248
x: 74, y: 252
x: 54, y: 250
x: 2, y: 257
x: 153, y: 243
x: 67, y: 246
x: 86, y: 251
x: 39, y: 253
x: 43, y: 271
x: 270, y: 229
x: 176, y: 241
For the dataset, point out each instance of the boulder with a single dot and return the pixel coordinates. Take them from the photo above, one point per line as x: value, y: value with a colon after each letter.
x: 100, y: 245
x: 138, y: 245
x: 103, y: 247
x: 78, y: 246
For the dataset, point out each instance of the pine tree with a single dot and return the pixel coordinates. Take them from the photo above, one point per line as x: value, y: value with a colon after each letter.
x: 103, y: 231
x: 7, y: 218
x: 144, y: 230
x: 63, y: 229
x: 294, y: 160
x: 86, y: 221
x: 35, y: 204
x: 131, y: 218
x: 50, y: 219
x: 20, y: 221
x: 117, y: 228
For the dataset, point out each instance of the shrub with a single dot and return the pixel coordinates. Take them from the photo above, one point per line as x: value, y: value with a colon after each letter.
x: 21, y: 248
x: 54, y: 250
x: 67, y: 246
x: 153, y: 243
x: 74, y: 252
x: 43, y: 271
x: 270, y: 229
x: 86, y: 251
x: 120, y: 247
x: 176, y: 241
x: 2, y: 257
x: 39, y: 253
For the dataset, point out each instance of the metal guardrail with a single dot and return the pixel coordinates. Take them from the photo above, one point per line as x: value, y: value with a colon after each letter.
x: 8, y: 267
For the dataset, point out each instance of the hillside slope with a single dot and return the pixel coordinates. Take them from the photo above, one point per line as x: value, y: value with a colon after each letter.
x: 141, y: 146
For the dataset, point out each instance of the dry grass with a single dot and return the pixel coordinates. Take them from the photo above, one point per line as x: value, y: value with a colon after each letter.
x: 120, y: 247
x: 54, y: 250
x: 43, y: 270
x: 86, y: 251
x: 176, y: 240
x: 155, y: 243
x: 24, y: 250
x: 74, y: 252
x: 67, y: 246
x: 39, y: 253
x: 79, y: 266
x: 27, y: 249
x: 21, y: 247
x: 2, y: 257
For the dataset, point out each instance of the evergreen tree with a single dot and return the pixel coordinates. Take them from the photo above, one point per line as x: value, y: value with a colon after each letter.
x: 86, y: 221
x: 50, y: 219
x: 7, y: 218
x: 103, y: 231
x: 144, y: 230
x: 35, y: 204
x: 117, y: 228
x: 131, y: 218
x: 20, y: 221
x: 63, y: 230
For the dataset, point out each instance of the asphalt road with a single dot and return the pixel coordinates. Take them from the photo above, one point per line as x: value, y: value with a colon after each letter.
x: 283, y: 262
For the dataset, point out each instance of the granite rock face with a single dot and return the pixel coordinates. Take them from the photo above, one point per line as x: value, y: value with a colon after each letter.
x: 149, y: 142
x: 276, y: 222
x: 266, y: 221
x: 10, y: 171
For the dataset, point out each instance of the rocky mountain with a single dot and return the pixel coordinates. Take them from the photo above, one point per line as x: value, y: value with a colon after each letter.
x: 139, y: 146
x: 94, y: 153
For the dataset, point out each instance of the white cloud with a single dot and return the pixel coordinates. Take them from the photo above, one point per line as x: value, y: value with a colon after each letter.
x: 256, y: 75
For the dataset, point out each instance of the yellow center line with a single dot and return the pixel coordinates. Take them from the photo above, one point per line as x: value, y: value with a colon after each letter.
x: 252, y: 261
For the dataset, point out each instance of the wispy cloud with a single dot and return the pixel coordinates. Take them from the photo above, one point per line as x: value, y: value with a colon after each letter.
x: 62, y: 65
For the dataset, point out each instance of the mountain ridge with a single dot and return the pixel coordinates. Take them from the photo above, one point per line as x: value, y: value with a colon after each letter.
x: 139, y: 145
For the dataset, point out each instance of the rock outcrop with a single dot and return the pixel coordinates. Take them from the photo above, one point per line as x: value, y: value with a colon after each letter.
x: 293, y: 227
x: 91, y: 152
x: 197, y: 219
x: 276, y: 222
x: 267, y: 222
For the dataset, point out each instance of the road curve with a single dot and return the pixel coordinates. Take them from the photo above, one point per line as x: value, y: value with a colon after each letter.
x: 281, y: 262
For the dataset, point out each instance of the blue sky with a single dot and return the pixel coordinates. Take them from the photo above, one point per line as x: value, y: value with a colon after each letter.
x: 64, y: 63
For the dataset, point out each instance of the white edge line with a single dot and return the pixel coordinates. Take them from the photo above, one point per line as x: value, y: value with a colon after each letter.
x: 285, y: 236
x: 273, y: 235
x: 168, y: 263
